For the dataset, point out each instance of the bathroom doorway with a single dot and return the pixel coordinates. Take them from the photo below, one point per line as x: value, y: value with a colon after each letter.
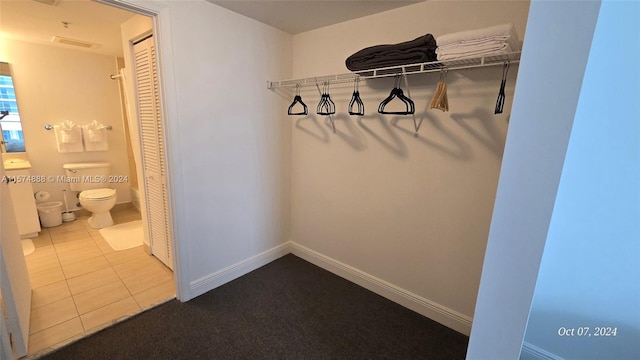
x: 80, y: 284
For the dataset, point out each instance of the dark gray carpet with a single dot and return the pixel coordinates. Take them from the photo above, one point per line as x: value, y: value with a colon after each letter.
x: 288, y: 309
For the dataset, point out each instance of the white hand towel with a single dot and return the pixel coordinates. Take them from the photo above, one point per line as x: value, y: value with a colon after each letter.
x: 95, y: 136
x: 68, y: 137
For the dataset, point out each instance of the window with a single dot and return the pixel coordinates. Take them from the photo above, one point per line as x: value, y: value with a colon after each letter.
x: 12, y: 136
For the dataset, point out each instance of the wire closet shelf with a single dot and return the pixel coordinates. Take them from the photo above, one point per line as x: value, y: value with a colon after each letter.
x: 421, y: 68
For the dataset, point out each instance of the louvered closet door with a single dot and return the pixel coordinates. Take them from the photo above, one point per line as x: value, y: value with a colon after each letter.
x: 153, y: 161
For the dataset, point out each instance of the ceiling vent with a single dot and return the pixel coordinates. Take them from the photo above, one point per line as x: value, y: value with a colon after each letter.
x: 73, y: 42
x: 49, y: 2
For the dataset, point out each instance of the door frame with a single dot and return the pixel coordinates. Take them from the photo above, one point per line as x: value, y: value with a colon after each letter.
x: 159, y: 12
x: 15, y: 284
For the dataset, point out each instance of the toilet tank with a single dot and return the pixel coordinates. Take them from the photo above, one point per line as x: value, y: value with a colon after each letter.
x: 87, y: 175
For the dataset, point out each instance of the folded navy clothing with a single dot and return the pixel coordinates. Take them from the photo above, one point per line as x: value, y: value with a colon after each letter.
x: 422, y: 49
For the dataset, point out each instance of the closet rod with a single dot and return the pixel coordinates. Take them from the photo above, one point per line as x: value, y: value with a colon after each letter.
x: 421, y: 68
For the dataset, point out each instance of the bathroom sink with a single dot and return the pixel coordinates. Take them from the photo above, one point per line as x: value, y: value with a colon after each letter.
x: 16, y: 164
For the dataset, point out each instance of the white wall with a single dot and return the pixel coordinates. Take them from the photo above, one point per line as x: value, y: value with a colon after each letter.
x: 327, y: 54
x: 590, y: 270
x: 228, y: 145
x: 54, y: 84
x: 554, y: 57
x: 411, y: 213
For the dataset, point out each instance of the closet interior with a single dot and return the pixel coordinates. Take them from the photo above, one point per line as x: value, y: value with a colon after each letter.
x: 394, y: 189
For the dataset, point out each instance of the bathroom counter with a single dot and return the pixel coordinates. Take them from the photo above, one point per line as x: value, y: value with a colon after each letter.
x: 16, y: 161
x: 16, y: 164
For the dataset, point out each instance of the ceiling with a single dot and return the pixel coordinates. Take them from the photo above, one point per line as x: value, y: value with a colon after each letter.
x: 32, y: 21
x: 302, y: 15
x: 89, y: 21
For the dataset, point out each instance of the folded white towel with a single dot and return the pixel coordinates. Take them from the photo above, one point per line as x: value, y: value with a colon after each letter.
x: 95, y: 136
x: 452, y: 49
x: 479, y: 41
x: 503, y: 30
x: 67, y: 125
x: 68, y: 137
x: 479, y: 45
x: 475, y: 53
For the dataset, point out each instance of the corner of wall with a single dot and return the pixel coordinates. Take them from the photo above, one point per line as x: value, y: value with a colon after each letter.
x: 434, y: 311
x: 234, y: 271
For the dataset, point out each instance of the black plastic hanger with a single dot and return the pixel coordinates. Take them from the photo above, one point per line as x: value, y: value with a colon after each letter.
x: 355, y: 100
x: 397, y: 93
x: 298, y: 100
x: 501, y: 96
x: 326, y: 106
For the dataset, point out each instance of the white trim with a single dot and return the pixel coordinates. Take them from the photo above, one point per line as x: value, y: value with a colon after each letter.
x: 534, y: 352
x: 232, y: 272
x: 426, y: 307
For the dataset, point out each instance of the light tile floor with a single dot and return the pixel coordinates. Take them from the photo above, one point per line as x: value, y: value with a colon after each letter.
x: 80, y: 284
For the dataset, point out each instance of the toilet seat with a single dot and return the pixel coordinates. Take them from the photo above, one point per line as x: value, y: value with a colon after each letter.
x: 98, y: 194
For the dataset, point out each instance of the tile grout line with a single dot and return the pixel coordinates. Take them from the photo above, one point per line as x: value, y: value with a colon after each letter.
x: 86, y: 332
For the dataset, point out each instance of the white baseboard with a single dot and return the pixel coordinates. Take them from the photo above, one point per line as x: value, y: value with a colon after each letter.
x: 532, y: 352
x: 428, y: 308
x: 212, y: 281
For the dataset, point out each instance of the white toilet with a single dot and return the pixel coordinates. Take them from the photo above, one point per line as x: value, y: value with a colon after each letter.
x: 92, y: 180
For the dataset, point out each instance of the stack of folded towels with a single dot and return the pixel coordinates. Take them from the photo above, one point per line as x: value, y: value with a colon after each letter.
x: 480, y: 42
x: 419, y: 50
